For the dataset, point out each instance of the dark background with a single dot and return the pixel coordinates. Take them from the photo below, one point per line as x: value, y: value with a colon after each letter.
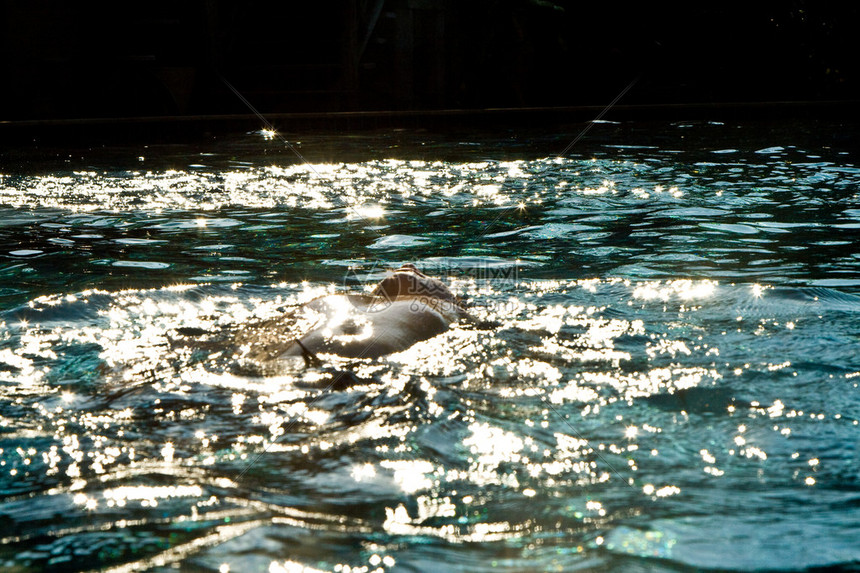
x: 70, y: 60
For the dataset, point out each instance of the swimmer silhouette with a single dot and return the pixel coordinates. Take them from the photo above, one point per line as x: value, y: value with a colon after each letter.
x: 406, y: 307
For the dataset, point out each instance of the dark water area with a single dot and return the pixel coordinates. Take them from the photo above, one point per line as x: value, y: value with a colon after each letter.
x: 663, y: 374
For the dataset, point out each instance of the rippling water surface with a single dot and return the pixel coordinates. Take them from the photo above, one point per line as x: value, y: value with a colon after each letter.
x: 663, y: 375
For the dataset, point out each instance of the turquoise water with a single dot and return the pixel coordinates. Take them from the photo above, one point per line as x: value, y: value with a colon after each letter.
x: 664, y: 374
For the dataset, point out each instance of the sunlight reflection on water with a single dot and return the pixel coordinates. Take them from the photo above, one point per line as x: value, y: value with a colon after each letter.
x: 649, y: 366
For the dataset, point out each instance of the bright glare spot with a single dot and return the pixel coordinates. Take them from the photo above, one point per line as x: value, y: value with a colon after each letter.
x: 668, y: 490
x: 683, y: 289
x: 631, y: 432
x: 120, y: 495
x: 410, y: 475
x: 396, y: 520
x: 809, y: 481
x: 493, y: 445
x: 780, y: 366
x: 167, y: 452
x: 757, y: 290
x: 529, y: 492
x: 595, y: 506
x: 224, y: 568
x: 268, y: 134
x: 294, y: 567
x: 369, y: 211
x: 363, y: 471
x: 201, y: 222
x: 89, y: 503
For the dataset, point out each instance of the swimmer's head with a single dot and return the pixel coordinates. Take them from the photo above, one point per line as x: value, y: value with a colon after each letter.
x: 409, y: 282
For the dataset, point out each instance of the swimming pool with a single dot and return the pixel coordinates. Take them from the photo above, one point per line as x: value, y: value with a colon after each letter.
x: 664, y: 374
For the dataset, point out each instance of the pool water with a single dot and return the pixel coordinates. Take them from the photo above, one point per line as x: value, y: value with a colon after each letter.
x: 663, y: 374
